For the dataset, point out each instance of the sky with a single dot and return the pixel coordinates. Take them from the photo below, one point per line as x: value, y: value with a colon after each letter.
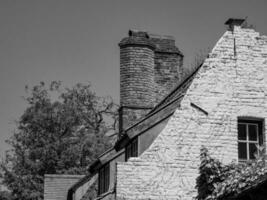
x: 77, y: 41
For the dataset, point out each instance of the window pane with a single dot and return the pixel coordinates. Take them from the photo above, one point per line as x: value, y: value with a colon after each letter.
x: 241, y: 131
x: 134, y: 148
x: 106, y: 178
x: 128, y: 152
x: 101, y: 181
x: 242, y: 150
x: 252, y: 151
x: 131, y: 149
x: 252, y: 132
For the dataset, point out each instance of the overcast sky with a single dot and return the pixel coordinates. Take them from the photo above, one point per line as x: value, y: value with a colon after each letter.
x: 76, y: 41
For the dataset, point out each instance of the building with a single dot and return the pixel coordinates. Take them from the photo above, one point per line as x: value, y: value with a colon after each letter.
x: 221, y: 105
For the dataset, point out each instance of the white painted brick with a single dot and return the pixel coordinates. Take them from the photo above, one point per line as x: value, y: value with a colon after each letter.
x: 227, y: 86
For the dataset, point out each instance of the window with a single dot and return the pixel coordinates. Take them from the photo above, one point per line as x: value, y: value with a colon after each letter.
x: 103, y: 179
x: 249, y: 138
x: 131, y: 149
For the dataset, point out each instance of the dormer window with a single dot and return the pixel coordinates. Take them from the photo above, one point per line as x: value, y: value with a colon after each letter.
x: 131, y: 149
x: 103, y: 179
x: 249, y: 139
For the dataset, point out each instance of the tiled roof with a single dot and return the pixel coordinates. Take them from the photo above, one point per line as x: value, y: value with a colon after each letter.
x: 57, y: 185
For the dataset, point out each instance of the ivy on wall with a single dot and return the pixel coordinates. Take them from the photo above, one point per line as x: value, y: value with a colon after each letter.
x: 217, y: 181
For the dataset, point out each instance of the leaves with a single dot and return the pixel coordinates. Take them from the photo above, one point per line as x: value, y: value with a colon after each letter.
x: 61, y: 131
x: 217, y: 181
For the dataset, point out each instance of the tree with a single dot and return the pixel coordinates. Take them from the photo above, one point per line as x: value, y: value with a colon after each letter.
x: 61, y: 131
x: 5, y: 195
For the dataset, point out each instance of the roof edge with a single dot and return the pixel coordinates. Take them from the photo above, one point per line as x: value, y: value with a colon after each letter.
x: 176, y: 88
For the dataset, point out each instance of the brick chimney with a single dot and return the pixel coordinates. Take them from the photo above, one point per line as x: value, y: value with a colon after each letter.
x: 137, y: 95
x: 150, y: 66
x: 231, y: 22
x: 168, y: 65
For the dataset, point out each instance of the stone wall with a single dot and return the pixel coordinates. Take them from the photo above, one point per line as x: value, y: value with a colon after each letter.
x: 168, y: 69
x: 231, y: 83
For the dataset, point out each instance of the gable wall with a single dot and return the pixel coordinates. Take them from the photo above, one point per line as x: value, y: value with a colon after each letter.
x: 231, y: 83
x: 144, y: 141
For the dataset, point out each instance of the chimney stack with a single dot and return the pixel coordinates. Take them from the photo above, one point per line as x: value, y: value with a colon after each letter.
x: 168, y: 65
x: 231, y: 22
x: 137, y: 95
x: 150, y: 66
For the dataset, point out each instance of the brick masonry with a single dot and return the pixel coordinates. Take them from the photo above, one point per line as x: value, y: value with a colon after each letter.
x: 230, y: 84
x: 168, y: 69
x: 137, y: 76
x: 166, y: 77
x: 150, y: 66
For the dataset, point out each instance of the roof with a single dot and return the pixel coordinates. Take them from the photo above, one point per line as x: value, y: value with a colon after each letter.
x: 110, y: 155
x: 91, y: 180
x: 161, y: 111
x: 57, y: 185
x: 80, y: 182
x: 178, y: 90
x: 169, y: 103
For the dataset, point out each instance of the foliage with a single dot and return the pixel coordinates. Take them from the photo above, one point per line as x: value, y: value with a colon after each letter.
x: 211, y: 171
x: 61, y: 131
x: 217, y: 181
x: 5, y: 195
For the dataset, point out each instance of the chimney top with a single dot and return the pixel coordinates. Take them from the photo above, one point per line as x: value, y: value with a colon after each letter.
x: 136, y: 37
x: 137, y: 33
x: 231, y: 22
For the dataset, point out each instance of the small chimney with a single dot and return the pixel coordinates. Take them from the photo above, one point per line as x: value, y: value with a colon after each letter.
x: 231, y: 22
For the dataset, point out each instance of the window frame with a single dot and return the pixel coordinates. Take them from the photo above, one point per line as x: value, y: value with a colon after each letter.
x: 247, y: 141
x: 103, y: 179
x: 131, y: 150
